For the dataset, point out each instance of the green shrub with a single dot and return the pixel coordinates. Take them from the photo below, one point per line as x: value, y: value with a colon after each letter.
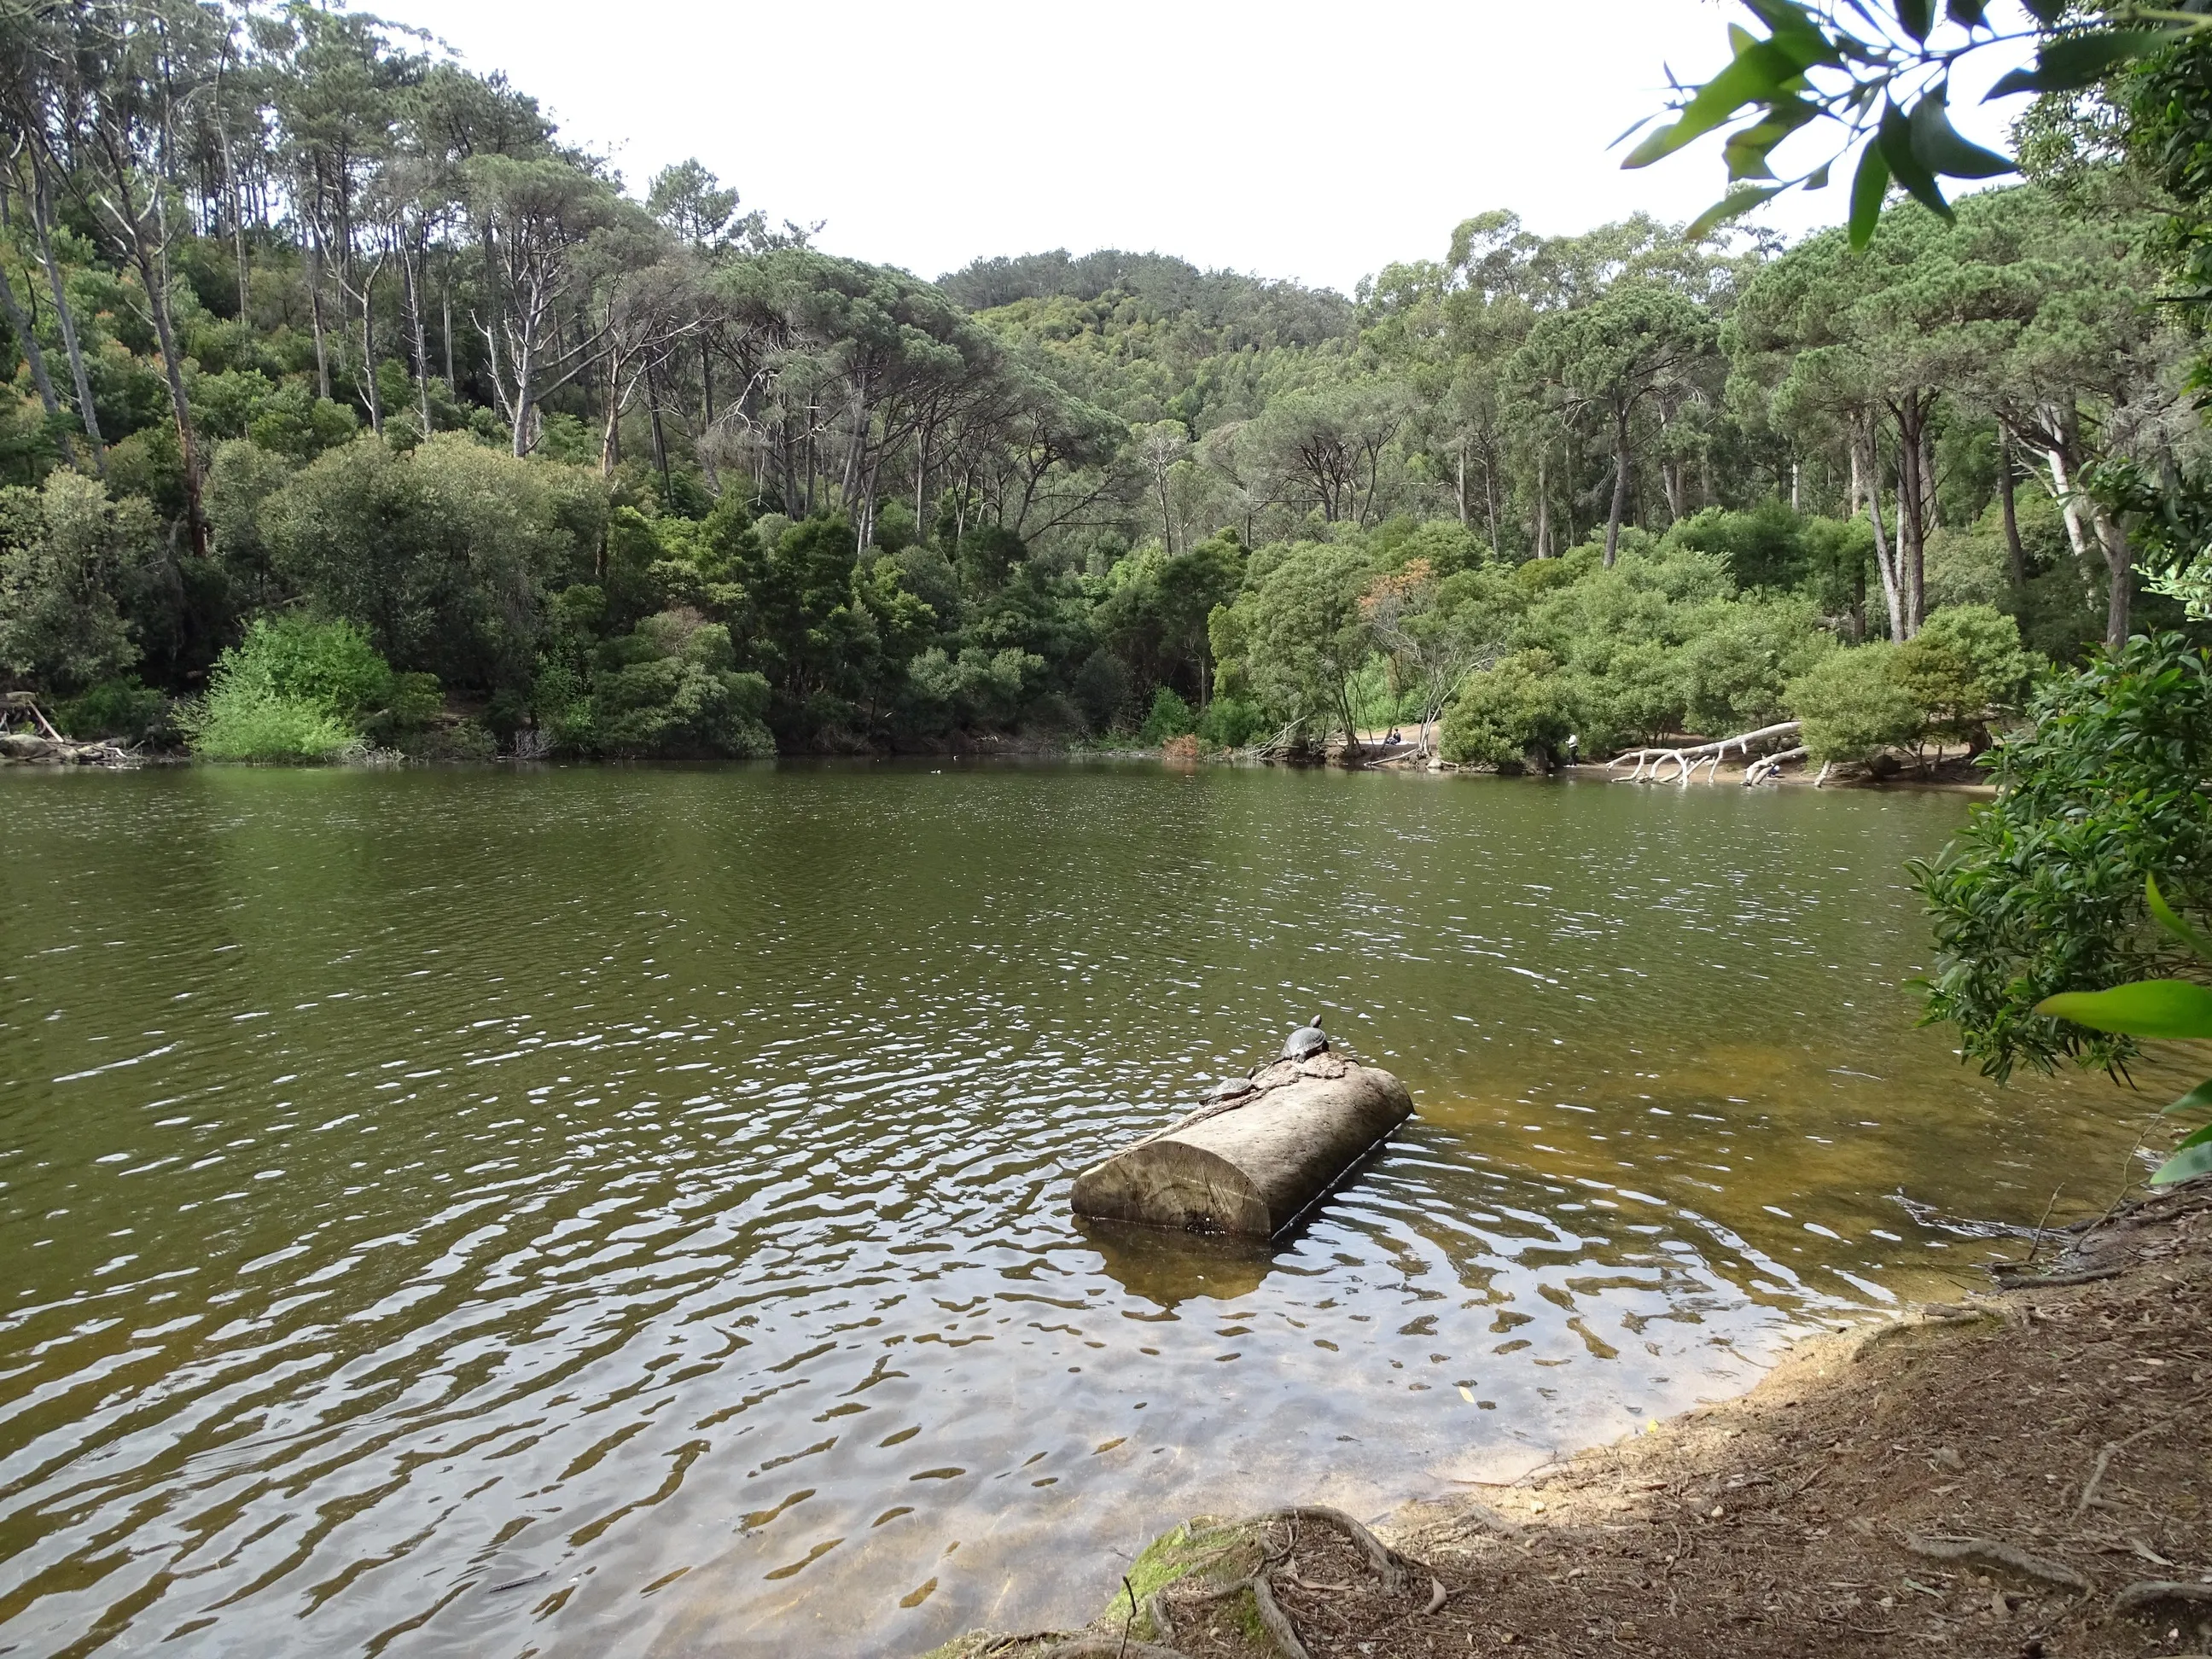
x: 1856, y: 703
x: 293, y: 689
x: 242, y: 718
x: 123, y: 709
x: 1966, y: 667
x: 1500, y: 712
x: 1231, y: 722
x: 1171, y: 717
x: 1102, y: 688
x: 671, y: 688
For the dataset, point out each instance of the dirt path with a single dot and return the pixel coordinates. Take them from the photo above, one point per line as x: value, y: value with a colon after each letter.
x: 2028, y: 1474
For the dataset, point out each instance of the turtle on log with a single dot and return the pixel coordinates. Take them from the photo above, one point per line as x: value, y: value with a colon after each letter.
x: 1306, y: 1041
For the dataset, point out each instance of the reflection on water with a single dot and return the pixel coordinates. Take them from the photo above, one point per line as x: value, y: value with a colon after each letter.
x: 623, y: 1211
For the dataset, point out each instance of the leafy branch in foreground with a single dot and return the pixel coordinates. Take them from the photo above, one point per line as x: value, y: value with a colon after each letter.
x: 1880, y: 70
x: 2170, y: 1008
x: 2053, y: 935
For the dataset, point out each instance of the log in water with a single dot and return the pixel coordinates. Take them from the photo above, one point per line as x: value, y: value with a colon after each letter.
x: 1252, y: 1163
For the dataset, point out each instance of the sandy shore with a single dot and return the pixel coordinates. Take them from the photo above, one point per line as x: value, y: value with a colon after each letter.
x: 2024, y: 1474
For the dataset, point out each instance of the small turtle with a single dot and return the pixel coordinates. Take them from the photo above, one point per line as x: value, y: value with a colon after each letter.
x: 1306, y: 1041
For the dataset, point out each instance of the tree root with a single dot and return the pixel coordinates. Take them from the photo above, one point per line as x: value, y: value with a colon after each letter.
x: 1994, y: 1552
x: 2026, y: 1281
x: 1277, y: 1622
x: 1386, y: 1563
x: 2137, y: 1599
x: 1110, y: 1647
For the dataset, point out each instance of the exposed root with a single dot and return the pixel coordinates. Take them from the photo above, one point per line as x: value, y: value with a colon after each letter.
x: 1109, y: 1647
x: 1994, y: 1552
x: 1278, y: 1624
x: 1387, y: 1563
x: 2153, y: 1593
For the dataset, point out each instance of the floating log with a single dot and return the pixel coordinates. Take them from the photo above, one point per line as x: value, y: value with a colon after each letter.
x: 1254, y: 1157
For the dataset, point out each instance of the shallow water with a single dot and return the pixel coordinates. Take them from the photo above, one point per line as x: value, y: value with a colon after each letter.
x: 613, y: 1211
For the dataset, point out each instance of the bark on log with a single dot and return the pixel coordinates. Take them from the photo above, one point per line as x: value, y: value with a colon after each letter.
x: 1252, y: 1163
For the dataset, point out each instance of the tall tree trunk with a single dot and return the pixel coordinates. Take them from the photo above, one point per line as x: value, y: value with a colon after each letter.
x: 314, y: 252
x: 706, y: 444
x: 149, y: 254
x: 88, y: 417
x: 1884, y: 563
x: 21, y: 325
x: 1911, y: 508
x: 446, y: 297
x: 652, y: 415
x: 2119, y: 573
x: 409, y: 250
x: 1543, y: 509
x: 611, y: 433
x: 2015, y: 555
x: 370, y: 390
x: 1619, y: 488
x: 1459, y: 487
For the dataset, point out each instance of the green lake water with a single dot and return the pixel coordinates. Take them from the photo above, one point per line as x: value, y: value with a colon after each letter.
x: 617, y: 1211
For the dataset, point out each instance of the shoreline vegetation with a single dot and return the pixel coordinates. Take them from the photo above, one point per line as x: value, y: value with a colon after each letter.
x: 351, y: 412
x: 2016, y: 1472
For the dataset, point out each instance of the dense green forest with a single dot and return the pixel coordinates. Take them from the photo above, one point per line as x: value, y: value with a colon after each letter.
x: 351, y: 405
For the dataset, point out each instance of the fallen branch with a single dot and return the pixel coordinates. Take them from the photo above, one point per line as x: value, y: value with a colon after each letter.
x: 1687, y: 760
x: 1767, y: 766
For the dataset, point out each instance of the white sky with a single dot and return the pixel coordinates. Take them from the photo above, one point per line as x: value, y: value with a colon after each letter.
x: 1285, y: 138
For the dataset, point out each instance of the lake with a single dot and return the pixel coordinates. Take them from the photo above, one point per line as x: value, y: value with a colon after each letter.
x: 616, y: 1211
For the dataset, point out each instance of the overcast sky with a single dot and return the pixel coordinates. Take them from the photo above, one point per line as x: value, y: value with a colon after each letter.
x: 1279, y: 136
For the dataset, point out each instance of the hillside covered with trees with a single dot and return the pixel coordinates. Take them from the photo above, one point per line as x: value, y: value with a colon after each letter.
x: 349, y: 404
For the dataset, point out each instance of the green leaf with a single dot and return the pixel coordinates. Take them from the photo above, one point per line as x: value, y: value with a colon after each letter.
x: 1818, y: 178
x: 1894, y: 136
x: 1868, y: 185
x: 1968, y: 14
x: 2199, y: 1099
x: 2075, y: 61
x: 1796, y: 32
x: 2148, y: 1007
x: 1918, y: 16
x: 1943, y: 149
x: 1756, y: 74
x: 2173, y: 924
x: 1746, y: 149
x: 1734, y: 204
x: 2045, y: 12
x: 2192, y: 1157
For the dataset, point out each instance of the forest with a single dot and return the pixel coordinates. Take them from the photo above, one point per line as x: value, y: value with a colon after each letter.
x: 354, y: 411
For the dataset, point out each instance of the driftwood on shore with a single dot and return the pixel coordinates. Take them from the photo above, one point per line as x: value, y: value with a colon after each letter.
x: 1254, y: 1158
x: 1652, y: 764
x: 38, y: 740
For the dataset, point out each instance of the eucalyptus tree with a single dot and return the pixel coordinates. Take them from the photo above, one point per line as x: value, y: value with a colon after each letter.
x: 536, y: 218
x: 114, y: 111
x: 1601, y: 362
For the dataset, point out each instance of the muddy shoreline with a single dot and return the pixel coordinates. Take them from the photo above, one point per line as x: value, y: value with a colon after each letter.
x: 2025, y: 1472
